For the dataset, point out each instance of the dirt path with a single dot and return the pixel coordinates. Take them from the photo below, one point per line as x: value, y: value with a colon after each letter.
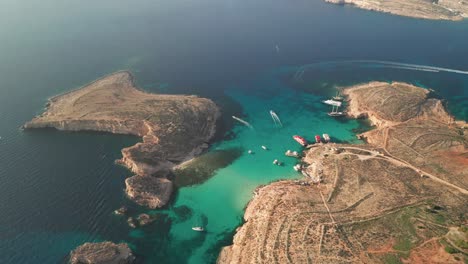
x: 399, y: 162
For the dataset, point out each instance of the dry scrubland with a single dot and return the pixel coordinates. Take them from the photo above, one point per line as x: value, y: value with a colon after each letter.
x: 400, y: 198
x: 174, y: 128
x: 427, y: 9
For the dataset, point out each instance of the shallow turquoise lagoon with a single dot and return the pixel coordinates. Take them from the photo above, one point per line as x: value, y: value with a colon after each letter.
x: 218, y: 203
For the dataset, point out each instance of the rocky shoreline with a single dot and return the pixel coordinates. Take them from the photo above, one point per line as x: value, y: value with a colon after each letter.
x: 453, y: 10
x: 174, y: 128
x: 393, y: 198
x: 104, y: 252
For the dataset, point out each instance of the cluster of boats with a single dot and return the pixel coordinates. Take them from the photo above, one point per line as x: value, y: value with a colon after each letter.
x: 336, y: 103
x: 303, y: 142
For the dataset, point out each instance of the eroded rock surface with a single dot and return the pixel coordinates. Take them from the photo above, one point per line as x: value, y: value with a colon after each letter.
x: 425, y: 9
x: 173, y: 128
x: 149, y: 191
x: 380, y: 202
x: 102, y: 253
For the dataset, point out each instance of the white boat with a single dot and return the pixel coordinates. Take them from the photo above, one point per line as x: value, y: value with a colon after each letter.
x: 297, y: 167
x: 332, y: 102
x: 335, y: 112
x: 326, y: 137
x: 264, y: 147
x: 250, y: 151
x: 198, y: 228
x: 290, y: 153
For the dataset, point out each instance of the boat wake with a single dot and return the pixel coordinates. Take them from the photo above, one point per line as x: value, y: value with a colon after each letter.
x: 388, y: 64
x: 247, y: 124
x: 276, y: 118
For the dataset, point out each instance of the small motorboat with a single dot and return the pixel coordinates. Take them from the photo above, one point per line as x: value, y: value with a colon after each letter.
x: 264, y: 147
x: 300, y: 140
x: 198, y: 228
x: 250, y: 151
x: 290, y: 153
x: 326, y: 138
x: 318, y: 139
x: 297, y: 167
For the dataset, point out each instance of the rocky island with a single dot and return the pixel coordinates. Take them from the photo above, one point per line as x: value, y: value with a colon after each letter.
x: 173, y: 128
x: 426, y: 9
x: 402, y: 197
x: 105, y: 252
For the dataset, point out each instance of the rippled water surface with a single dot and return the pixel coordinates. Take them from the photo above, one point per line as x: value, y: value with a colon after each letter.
x: 58, y: 189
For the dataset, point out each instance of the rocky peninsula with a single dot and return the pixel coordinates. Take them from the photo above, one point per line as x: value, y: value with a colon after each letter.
x: 105, y: 253
x: 396, y: 199
x: 454, y: 10
x: 173, y: 128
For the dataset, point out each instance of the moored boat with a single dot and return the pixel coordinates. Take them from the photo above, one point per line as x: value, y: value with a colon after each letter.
x: 290, y: 153
x: 326, y: 138
x: 318, y: 139
x: 332, y: 102
x: 300, y: 140
x: 198, y: 228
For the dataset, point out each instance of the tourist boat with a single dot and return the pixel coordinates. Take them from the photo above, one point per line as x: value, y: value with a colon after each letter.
x: 290, y: 153
x: 198, y: 228
x: 300, y: 140
x: 326, y: 138
x: 264, y: 147
x: 317, y: 139
x: 338, y: 97
x: 332, y: 102
x: 335, y: 112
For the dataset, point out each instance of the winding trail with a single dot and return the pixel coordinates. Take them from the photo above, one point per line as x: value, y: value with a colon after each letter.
x: 399, y: 162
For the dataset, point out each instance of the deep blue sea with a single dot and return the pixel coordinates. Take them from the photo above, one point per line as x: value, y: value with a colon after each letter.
x: 58, y: 189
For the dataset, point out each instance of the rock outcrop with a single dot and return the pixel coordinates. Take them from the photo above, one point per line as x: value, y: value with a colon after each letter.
x: 393, y: 199
x: 426, y: 9
x: 102, y: 253
x: 388, y: 104
x: 151, y: 192
x: 173, y: 128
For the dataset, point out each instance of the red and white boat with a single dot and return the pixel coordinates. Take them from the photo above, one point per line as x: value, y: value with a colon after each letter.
x: 300, y: 140
x: 317, y: 139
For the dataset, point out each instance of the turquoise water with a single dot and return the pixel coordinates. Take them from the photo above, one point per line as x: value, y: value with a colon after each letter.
x: 218, y: 203
x: 58, y: 190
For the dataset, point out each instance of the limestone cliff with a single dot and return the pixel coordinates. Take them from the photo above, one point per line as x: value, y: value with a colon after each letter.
x: 173, y: 128
x: 392, y: 200
x: 426, y: 9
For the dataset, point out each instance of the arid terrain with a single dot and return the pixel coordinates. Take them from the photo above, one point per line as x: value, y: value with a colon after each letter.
x: 426, y: 9
x: 173, y: 128
x: 401, y: 198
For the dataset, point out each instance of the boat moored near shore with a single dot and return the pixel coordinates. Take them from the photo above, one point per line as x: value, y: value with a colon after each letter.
x: 300, y: 140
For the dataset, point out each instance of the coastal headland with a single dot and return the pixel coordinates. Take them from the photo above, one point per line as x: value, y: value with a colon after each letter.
x: 402, y: 197
x: 453, y: 10
x: 173, y: 128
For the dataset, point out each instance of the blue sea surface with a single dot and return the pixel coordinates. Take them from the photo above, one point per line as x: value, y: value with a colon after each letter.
x: 59, y: 189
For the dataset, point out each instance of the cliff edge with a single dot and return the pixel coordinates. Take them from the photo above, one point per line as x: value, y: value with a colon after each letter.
x: 173, y: 128
x: 395, y: 199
